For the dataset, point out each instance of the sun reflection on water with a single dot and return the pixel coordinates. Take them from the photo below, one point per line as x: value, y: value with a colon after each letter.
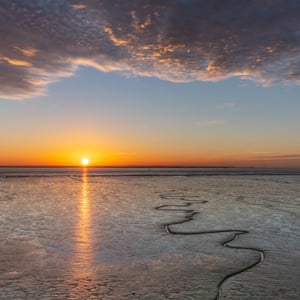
x: 82, y: 281
x: 83, y: 243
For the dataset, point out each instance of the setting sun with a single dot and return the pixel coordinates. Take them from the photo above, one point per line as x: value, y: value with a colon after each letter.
x: 85, y: 161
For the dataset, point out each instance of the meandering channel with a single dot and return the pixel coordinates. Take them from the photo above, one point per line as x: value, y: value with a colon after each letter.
x: 189, y: 216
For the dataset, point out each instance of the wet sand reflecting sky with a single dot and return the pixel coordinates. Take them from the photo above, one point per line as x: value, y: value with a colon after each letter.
x: 87, y: 237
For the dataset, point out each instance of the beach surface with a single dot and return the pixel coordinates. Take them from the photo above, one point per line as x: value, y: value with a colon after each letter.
x: 83, y: 236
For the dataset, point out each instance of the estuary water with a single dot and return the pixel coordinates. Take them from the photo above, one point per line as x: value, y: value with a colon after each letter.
x: 149, y: 233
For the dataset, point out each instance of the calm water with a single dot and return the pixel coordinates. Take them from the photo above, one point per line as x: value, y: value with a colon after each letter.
x: 73, y: 234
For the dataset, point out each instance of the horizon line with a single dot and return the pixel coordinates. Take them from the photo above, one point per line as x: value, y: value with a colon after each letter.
x: 149, y: 166
x: 117, y: 166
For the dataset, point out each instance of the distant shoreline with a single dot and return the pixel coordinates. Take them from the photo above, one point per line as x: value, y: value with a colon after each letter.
x: 24, y: 171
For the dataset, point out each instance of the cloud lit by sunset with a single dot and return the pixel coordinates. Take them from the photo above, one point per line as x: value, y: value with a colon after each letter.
x: 181, y: 41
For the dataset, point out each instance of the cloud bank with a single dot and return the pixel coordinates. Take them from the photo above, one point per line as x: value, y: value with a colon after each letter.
x: 179, y: 40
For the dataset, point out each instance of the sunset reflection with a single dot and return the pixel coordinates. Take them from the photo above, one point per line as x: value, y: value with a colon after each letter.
x: 83, y: 245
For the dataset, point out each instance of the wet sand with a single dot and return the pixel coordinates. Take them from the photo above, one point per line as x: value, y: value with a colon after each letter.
x: 171, y: 237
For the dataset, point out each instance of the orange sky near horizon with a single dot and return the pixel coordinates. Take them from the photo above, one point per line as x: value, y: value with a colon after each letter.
x: 66, y: 142
x: 73, y: 157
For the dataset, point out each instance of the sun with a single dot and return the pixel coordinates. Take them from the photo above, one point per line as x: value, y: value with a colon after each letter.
x: 85, y: 161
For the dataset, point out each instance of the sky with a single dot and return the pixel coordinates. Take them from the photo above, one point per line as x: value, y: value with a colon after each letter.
x: 140, y: 82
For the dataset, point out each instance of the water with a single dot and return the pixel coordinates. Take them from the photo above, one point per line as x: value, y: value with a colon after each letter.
x: 73, y: 234
x: 77, y: 171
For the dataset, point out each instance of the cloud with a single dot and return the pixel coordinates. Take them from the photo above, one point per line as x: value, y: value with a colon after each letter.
x: 226, y: 105
x: 180, y: 40
x: 212, y: 122
x: 286, y: 156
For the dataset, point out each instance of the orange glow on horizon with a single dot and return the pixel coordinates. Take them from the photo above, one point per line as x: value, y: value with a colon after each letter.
x: 109, y: 157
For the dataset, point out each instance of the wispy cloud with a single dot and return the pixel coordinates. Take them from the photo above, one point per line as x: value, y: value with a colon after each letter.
x: 284, y: 156
x: 226, y: 105
x: 211, y: 122
x: 42, y: 41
